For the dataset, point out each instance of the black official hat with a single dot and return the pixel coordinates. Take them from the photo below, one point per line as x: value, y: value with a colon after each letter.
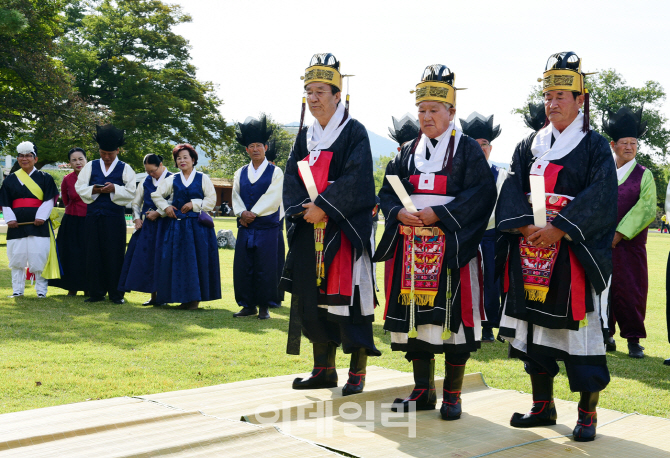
x: 624, y: 123
x: 479, y: 126
x: 537, y: 117
x: 253, y: 130
x: 405, y: 130
x: 108, y: 137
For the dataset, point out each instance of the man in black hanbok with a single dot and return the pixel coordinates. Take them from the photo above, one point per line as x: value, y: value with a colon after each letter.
x: 437, y: 197
x: 558, y: 211
x: 329, y: 195
x: 106, y: 185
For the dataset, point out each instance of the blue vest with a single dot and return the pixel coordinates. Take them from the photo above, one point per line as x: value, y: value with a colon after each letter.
x: 182, y: 194
x: 103, y: 205
x: 148, y: 189
x: 251, y: 192
x: 496, y: 171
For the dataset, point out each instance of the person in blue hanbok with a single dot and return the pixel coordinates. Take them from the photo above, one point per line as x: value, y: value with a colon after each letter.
x: 188, y: 255
x: 138, y: 272
x: 257, y: 196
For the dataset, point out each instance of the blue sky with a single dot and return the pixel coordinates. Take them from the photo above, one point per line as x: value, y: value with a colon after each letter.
x: 256, y: 51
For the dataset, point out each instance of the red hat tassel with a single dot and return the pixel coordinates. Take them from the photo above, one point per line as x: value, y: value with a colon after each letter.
x: 586, y: 127
x: 302, y: 115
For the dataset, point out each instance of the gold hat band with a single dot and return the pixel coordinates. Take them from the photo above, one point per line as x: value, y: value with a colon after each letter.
x: 322, y: 74
x: 562, y: 80
x: 435, y: 91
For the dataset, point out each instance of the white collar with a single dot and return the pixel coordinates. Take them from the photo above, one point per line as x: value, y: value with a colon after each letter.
x: 623, y: 170
x: 111, y: 167
x: 160, y: 178
x: 187, y: 182
x: 319, y: 138
x: 31, y: 172
x: 437, y: 152
x: 565, y: 142
x: 254, y: 174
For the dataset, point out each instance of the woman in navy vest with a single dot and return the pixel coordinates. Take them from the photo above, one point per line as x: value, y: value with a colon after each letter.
x: 106, y: 186
x: 187, y: 252
x: 257, y: 196
x: 138, y: 272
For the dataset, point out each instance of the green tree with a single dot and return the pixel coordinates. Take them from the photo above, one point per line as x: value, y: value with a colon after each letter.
x: 380, y: 170
x: 609, y: 90
x: 224, y: 162
x: 128, y: 63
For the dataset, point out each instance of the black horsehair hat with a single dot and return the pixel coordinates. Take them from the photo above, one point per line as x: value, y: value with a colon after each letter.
x: 479, y: 126
x: 624, y: 123
x: 405, y: 130
x: 253, y: 130
x: 537, y: 117
x: 108, y: 137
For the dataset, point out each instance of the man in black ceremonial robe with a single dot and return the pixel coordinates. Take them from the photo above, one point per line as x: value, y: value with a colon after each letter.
x: 329, y: 195
x: 558, y: 211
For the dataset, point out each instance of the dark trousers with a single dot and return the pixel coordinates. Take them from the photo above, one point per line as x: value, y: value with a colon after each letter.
x: 351, y: 336
x: 105, y: 249
x: 582, y: 377
x: 667, y: 296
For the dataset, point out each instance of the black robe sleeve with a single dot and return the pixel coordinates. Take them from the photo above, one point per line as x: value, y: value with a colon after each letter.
x: 350, y: 199
x: 513, y: 209
x: 591, y: 212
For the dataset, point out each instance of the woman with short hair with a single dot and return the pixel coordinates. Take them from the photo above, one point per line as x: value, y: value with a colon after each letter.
x: 188, y: 257
x: 138, y: 272
x: 71, y: 240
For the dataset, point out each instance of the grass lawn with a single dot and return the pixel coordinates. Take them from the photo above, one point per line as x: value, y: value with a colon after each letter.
x: 62, y: 350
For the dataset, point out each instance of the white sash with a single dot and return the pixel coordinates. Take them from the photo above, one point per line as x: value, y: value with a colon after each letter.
x: 565, y: 142
x: 319, y: 138
x: 437, y: 152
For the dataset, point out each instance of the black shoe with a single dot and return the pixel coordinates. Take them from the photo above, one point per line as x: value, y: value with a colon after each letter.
x: 543, y: 412
x: 487, y: 335
x: 263, y: 313
x: 357, y: 367
x: 585, y: 431
x: 15, y: 295
x: 41, y: 296
x: 635, y: 350
x: 323, y: 374
x: 423, y: 394
x: 149, y: 303
x: 94, y: 299
x: 451, y: 393
x: 610, y: 344
x: 119, y: 301
x: 667, y: 362
x: 246, y: 311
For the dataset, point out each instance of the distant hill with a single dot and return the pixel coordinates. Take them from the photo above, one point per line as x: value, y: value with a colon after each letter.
x: 380, y: 145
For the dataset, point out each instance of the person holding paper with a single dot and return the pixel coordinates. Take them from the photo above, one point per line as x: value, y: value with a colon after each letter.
x: 329, y: 195
x: 482, y: 130
x: 257, y: 193
x: 27, y: 197
x: 636, y: 210
x: 106, y: 185
x: 558, y: 211
x: 437, y: 197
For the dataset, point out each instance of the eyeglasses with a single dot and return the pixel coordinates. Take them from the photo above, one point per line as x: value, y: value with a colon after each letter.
x: 318, y: 94
x: 626, y: 144
x: 25, y: 156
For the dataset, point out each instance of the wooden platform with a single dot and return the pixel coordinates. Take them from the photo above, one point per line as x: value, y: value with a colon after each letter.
x: 266, y: 418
